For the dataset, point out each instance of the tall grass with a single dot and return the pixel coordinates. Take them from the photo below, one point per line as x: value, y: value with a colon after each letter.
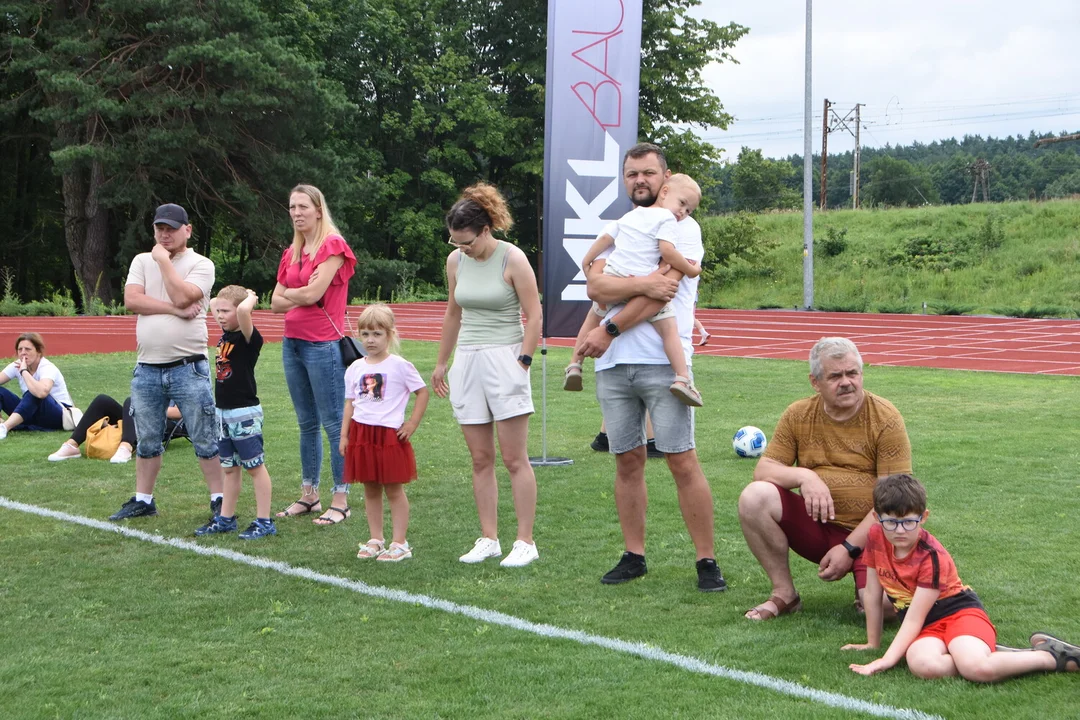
x: 1019, y: 258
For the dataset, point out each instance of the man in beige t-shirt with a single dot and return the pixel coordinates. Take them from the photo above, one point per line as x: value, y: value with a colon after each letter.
x: 832, y: 448
x: 169, y: 289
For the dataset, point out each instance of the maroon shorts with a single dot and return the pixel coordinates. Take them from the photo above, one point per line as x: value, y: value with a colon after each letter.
x: 811, y: 539
x: 969, y: 621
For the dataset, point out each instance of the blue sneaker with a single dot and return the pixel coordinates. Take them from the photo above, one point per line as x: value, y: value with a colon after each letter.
x: 217, y: 525
x: 258, y: 529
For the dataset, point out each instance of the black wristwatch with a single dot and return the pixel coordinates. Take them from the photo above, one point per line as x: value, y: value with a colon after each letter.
x: 612, y: 329
x: 853, y: 551
x: 525, y: 360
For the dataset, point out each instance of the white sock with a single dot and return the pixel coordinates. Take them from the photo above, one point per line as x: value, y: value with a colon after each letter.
x: 216, y: 496
x: 144, y: 498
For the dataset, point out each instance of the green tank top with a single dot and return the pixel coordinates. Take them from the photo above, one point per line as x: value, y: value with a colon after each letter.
x: 490, y: 310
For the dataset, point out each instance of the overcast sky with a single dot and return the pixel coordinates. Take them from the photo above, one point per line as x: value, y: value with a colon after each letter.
x: 924, y: 69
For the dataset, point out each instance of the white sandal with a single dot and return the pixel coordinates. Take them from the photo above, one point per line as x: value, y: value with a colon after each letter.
x: 373, y: 548
x: 396, y: 552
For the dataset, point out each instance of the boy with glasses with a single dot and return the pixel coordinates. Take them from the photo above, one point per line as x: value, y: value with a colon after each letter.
x: 944, y: 630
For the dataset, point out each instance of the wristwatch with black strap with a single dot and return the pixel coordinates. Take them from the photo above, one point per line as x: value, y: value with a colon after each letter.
x: 612, y: 329
x: 525, y: 360
x: 853, y: 551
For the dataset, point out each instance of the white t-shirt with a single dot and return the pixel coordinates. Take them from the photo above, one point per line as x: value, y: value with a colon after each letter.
x: 641, y: 344
x: 45, y: 371
x: 164, y: 338
x: 380, y: 391
x: 637, y: 247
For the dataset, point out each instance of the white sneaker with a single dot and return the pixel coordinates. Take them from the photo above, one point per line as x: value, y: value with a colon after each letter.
x: 522, y: 554
x: 122, y: 455
x: 483, y: 549
x: 66, y: 452
x: 3, y: 431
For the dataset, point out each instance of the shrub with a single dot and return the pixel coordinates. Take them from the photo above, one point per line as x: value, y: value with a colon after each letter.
x: 1035, y: 311
x: 379, y: 278
x: 929, y: 253
x: 835, y: 242
x: 939, y: 307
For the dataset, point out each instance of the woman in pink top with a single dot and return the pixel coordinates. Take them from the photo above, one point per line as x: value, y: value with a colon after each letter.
x: 312, y: 290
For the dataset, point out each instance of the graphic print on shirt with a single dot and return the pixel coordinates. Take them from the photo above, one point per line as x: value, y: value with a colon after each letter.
x: 224, y: 366
x: 371, y: 387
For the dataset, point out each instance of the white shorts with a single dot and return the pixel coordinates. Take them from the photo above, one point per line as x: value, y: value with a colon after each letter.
x: 488, y: 384
x: 602, y: 310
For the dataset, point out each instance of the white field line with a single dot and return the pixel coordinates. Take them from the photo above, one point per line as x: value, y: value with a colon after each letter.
x: 493, y: 617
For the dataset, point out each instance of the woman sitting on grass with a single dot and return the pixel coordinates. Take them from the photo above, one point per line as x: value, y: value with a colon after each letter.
x: 104, y: 406
x: 44, y: 403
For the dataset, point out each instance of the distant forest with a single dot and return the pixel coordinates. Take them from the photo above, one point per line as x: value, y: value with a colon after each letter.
x: 904, y: 175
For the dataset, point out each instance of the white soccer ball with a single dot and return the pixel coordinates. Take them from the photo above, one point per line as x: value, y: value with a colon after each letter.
x: 749, y: 442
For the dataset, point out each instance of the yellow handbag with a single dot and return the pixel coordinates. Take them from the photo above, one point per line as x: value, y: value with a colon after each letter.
x: 102, y: 439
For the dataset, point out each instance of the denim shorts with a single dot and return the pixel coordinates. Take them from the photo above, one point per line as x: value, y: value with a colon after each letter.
x: 240, y: 441
x: 152, y: 387
x: 625, y: 392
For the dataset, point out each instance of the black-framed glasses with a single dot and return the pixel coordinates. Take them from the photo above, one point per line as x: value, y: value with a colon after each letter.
x: 908, y: 524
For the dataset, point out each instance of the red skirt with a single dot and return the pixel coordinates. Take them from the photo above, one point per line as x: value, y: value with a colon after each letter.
x: 376, y: 455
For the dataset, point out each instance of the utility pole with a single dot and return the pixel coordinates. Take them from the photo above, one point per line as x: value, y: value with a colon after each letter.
x: 980, y: 171
x: 824, y: 150
x: 808, y: 167
x: 858, y: 147
x: 831, y: 122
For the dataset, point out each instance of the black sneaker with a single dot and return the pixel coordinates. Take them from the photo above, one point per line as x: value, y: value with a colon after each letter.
x: 600, y: 443
x: 218, y: 525
x: 651, y: 451
x: 709, y: 577
x: 134, y: 508
x: 630, y: 567
x: 215, y: 508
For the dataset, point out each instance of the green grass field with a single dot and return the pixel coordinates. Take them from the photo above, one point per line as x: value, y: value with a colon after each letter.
x: 1028, y: 263
x: 96, y: 625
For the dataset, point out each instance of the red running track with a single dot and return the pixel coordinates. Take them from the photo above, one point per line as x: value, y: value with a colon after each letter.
x: 1045, y: 346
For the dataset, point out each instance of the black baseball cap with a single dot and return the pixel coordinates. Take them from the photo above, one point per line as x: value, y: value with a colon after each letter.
x: 172, y: 215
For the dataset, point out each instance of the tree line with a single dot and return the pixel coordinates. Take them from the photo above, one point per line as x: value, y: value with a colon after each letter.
x: 940, y: 172
x: 111, y: 107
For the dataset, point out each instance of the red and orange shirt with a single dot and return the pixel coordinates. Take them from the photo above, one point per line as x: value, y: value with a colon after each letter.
x: 929, y: 565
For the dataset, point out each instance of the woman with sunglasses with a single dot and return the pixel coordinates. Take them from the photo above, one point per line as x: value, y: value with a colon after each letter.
x: 490, y: 284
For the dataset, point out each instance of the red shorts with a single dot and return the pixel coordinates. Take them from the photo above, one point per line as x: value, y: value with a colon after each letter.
x: 811, y: 539
x: 969, y: 621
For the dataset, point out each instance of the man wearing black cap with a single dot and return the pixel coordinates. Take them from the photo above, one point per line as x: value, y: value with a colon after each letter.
x: 169, y: 289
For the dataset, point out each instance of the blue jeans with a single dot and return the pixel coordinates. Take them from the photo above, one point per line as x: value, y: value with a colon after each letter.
x: 315, y: 375
x: 37, y: 413
x: 189, y: 387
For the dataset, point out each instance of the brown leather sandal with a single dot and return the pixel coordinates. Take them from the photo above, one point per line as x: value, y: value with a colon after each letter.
x: 782, y: 608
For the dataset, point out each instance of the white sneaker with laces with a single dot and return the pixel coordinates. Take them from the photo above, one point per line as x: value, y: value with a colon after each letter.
x: 521, y: 555
x: 483, y: 549
x: 122, y: 455
x: 66, y: 452
x: 3, y: 431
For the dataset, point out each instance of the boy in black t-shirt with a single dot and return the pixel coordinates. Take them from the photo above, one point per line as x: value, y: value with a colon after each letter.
x: 240, y: 415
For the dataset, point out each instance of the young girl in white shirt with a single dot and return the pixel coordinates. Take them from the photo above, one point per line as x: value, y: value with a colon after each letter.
x: 375, y: 442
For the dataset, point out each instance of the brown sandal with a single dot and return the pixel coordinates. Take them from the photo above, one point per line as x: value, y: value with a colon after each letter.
x: 782, y: 608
